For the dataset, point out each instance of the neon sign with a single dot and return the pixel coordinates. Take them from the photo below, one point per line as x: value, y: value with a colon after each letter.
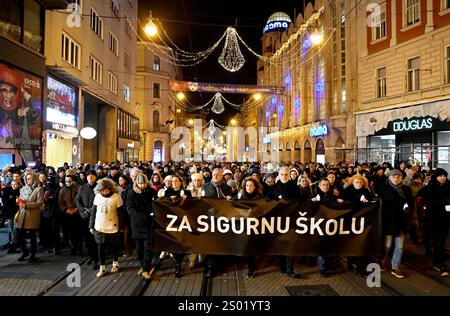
x: 413, y: 125
x: 318, y: 130
x: 276, y: 26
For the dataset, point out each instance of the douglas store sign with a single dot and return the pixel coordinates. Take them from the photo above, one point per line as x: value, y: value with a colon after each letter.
x: 417, y: 124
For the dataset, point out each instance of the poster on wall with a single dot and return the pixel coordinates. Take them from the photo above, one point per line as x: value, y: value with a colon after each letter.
x: 61, y: 100
x: 20, y: 112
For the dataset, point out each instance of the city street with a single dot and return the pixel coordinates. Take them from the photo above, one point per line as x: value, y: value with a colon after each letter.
x: 49, y: 277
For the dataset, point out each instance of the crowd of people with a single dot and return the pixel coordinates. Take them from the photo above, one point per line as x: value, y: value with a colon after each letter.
x: 109, y: 206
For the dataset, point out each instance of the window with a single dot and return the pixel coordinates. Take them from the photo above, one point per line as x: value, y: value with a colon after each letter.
x: 412, y: 12
x: 113, y: 44
x: 21, y: 22
x: 126, y: 93
x: 127, y: 60
x: 156, y: 63
x: 379, y: 29
x: 96, y: 23
x: 447, y: 58
x: 445, y: 4
x: 112, y: 82
x: 156, y: 90
x: 96, y: 69
x: 155, y: 121
x: 115, y: 7
x: 79, y: 3
x: 70, y: 50
x: 127, y: 24
x: 413, y: 74
x: 381, y: 82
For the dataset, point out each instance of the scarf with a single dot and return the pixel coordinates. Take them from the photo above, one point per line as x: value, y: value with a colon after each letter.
x: 399, y: 190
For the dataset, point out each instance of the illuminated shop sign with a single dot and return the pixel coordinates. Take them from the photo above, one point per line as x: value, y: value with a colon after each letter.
x: 276, y: 26
x: 413, y: 125
x: 318, y: 130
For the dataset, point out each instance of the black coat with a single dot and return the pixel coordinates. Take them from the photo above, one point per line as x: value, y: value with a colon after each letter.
x: 354, y: 196
x: 305, y: 193
x: 272, y: 192
x: 124, y: 195
x: 10, y: 207
x: 394, y: 217
x: 289, y: 190
x: 85, y: 201
x: 436, y: 197
x: 139, y: 207
x: 325, y: 197
x: 210, y: 191
x: 51, y: 207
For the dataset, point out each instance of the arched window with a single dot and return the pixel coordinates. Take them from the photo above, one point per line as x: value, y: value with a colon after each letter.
x: 158, y: 151
x: 307, y: 152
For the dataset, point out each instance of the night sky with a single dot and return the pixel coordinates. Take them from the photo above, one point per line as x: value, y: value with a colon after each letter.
x: 206, y: 21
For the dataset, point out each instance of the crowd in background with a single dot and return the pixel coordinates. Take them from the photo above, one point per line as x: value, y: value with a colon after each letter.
x: 108, y: 207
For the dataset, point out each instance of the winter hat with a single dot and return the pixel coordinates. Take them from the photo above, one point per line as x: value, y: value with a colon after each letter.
x: 440, y: 172
x: 105, y: 184
x: 395, y: 172
x: 141, y: 179
x: 228, y: 171
x: 232, y: 183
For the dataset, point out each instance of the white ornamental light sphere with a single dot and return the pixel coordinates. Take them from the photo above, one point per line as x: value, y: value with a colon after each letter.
x: 88, y: 133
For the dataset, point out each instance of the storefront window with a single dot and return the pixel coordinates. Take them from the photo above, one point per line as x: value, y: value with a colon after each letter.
x: 381, y: 148
x: 443, y: 150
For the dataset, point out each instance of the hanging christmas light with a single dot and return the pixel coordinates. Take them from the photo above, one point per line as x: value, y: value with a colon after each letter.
x: 218, y: 104
x: 231, y: 58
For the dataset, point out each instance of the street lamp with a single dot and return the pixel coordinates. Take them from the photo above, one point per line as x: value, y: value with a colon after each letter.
x: 316, y: 37
x: 257, y: 96
x: 151, y: 29
x: 233, y: 122
x: 181, y: 96
x: 88, y: 133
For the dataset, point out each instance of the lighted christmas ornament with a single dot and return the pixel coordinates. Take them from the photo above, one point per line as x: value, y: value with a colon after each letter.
x: 218, y: 104
x: 231, y: 58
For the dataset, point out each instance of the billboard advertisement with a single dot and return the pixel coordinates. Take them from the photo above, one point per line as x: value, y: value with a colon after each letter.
x: 20, y: 112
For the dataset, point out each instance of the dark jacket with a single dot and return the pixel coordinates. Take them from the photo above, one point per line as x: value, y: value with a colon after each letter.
x: 436, y: 197
x: 124, y: 195
x: 211, y: 192
x: 325, y: 197
x: 354, y: 196
x: 10, y: 207
x: 51, y: 207
x: 305, y: 193
x: 68, y: 197
x: 289, y: 190
x: 394, y: 216
x: 85, y: 201
x: 272, y: 192
x: 139, y: 207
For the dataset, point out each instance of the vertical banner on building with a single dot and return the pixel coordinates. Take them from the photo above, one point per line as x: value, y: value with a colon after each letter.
x: 20, y: 112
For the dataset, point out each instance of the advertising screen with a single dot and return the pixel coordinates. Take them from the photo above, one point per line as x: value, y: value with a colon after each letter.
x: 60, y: 103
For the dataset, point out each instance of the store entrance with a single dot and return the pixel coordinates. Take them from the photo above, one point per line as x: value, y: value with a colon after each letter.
x: 414, y: 148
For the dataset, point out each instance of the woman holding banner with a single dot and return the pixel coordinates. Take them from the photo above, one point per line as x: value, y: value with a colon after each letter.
x: 139, y: 206
x: 195, y: 190
x: 174, y: 192
x: 250, y: 191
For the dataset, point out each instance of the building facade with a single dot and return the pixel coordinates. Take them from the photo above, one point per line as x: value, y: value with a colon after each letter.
x: 91, y: 74
x: 404, y: 83
x: 312, y: 119
x: 155, y: 103
x: 22, y: 79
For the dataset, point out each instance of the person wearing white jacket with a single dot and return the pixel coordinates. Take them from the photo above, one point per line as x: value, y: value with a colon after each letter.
x: 105, y: 222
